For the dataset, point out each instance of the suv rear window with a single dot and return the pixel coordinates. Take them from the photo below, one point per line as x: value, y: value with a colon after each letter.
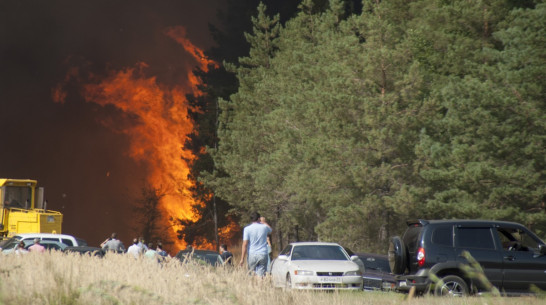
x: 443, y: 236
x: 474, y: 238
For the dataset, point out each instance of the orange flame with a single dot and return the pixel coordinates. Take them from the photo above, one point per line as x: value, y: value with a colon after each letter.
x: 162, y: 127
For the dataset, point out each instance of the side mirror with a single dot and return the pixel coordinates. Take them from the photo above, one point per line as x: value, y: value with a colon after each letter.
x: 282, y: 257
x: 359, y: 262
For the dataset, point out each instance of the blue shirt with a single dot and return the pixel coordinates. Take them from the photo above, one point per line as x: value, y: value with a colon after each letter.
x: 256, y: 234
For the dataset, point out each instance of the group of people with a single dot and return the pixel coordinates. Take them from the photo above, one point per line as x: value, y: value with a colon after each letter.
x: 137, y: 249
x: 36, y: 247
x: 256, y: 247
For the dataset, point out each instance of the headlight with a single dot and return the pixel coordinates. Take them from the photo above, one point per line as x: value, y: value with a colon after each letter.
x: 353, y: 273
x: 303, y: 272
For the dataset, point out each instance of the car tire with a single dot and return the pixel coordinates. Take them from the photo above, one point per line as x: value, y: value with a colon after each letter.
x: 397, y: 255
x: 451, y: 285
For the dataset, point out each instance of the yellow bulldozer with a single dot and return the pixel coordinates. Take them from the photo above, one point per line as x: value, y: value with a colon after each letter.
x: 23, y: 209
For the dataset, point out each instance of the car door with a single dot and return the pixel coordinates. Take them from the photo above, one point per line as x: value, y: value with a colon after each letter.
x: 480, y: 243
x: 279, y: 267
x: 523, y: 264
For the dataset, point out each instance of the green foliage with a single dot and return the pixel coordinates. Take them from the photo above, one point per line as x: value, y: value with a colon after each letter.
x: 343, y: 126
x: 483, y: 157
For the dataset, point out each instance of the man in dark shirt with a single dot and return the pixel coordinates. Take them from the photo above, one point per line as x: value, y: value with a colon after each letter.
x: 226, y: 255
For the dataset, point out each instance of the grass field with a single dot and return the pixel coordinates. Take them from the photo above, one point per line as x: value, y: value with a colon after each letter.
x: 56, y: 278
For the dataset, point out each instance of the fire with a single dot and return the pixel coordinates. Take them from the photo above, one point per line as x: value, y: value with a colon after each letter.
x: 162, y: 126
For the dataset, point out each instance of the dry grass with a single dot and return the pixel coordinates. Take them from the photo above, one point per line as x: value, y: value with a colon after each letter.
x: 118, y: 279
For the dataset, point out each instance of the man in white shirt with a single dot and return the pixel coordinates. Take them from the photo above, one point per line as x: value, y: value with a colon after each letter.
x: 134, y: 249
x: 255, y: 244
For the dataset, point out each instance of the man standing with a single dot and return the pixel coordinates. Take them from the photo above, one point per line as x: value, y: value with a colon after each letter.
x: 255, y: 244
x: 36, y: 247
x: 226, y: 255
x: 150, y: 253
x: 134, y: 249
x: 114, y: 244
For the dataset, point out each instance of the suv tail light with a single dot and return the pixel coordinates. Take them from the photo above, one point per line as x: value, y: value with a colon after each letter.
x: 421, y: 257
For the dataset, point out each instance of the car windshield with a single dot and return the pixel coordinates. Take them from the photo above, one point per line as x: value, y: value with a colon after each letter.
x: 11, y: 243
x: 318, y: 252
x: 211, y: 258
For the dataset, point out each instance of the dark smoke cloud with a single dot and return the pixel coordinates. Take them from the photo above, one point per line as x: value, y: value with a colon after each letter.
x: 83, y: 164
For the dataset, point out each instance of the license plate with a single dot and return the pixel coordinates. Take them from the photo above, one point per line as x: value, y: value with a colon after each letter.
x: 329, y: 279
x: 402, y: 284
x: 387, y: 285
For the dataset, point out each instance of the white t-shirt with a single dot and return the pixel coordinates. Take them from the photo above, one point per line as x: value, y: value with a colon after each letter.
x: 256, y: 234
x: 134, y: 250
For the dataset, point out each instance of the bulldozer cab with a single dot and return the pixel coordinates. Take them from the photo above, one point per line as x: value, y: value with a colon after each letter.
x: 22, y: 209
x: 17, y: 196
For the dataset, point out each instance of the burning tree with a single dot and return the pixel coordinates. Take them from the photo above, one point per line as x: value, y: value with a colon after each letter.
x: 154, y: 116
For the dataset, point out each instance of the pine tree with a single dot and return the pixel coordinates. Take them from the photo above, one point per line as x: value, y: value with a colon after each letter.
x: 483, y: 153
x: 243, y: 139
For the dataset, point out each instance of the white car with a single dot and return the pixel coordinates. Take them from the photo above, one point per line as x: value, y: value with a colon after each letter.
x: 316, y: 265
x: 28, y: 238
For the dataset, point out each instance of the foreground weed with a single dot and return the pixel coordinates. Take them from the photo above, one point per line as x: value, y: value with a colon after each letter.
x: 475, y: 272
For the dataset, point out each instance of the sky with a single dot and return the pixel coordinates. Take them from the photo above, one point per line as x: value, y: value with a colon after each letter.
x: 73, y: 148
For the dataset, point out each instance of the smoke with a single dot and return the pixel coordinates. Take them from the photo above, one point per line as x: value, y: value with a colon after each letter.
x: 48, y: 49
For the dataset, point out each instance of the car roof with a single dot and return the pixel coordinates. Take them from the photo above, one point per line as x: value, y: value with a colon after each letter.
x: 313, y: 243
x: 480, y: 222
x: 35, y: 235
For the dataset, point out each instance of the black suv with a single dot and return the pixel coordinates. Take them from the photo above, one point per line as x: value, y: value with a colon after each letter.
x: 512, y: 257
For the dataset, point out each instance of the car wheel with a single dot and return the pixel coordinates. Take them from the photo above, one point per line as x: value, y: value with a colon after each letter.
x: 397, y: 255
x: 451, y: 285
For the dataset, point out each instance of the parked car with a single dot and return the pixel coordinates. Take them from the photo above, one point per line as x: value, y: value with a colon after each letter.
x: 200, y: 256
x: 316, y: 265
x: 377, y: 274
x: 69, y: 240
x: 512, y: 257
x: 92, y: 251
x: 47, y: 244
